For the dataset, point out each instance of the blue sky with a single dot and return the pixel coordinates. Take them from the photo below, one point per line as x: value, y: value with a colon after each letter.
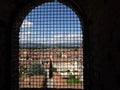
x: 51, y: 22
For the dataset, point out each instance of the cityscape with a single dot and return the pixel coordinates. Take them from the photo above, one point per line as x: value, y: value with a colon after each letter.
x: 51, y: 68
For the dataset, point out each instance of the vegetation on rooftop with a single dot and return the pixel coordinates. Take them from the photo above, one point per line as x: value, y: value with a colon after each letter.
x: 72, y: 80
x: 54, y: 69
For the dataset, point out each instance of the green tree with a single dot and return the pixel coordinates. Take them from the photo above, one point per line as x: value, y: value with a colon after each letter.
x: 36, y: 69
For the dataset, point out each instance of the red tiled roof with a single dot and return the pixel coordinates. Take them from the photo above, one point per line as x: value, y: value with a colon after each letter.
x: 64, y: 60
x: 31, y: 82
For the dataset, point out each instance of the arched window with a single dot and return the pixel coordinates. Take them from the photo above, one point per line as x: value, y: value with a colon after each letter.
x: 50, y: 48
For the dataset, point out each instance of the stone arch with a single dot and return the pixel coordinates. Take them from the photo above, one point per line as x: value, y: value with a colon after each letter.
x: 22, y: 13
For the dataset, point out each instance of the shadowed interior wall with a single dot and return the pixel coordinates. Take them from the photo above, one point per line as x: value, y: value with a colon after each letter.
x: 103, y: 41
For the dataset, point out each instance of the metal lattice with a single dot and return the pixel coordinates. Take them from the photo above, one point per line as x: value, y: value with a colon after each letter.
x: 51, y: 48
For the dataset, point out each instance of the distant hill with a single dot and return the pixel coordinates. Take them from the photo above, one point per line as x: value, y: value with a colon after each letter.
x: 41, y: 45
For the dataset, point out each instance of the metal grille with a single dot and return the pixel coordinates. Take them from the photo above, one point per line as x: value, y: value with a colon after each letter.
x: 51, y: 48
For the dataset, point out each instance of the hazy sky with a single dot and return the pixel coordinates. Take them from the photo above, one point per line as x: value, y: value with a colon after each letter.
x: 51, y: 23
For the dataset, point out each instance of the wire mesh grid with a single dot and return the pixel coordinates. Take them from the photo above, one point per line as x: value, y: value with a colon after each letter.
x: 51, y: 48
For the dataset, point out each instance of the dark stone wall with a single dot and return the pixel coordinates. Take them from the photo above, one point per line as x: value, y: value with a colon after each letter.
x: 102, y: 38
